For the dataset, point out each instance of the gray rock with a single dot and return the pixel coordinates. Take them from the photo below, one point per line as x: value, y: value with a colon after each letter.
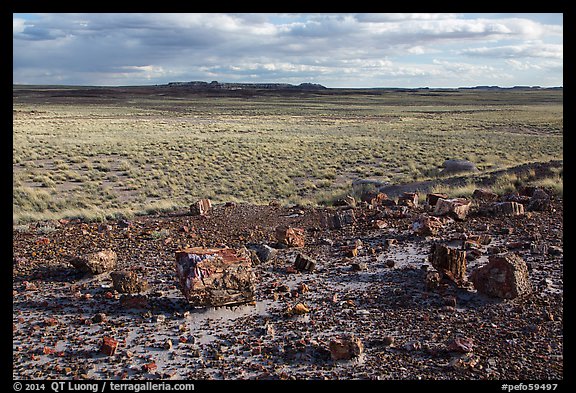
x: 456, y: 166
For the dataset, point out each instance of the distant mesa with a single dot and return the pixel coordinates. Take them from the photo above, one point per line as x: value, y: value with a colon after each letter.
x: 200, y: 85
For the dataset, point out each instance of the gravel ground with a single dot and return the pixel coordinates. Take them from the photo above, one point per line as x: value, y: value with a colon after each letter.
x: 380, y: 296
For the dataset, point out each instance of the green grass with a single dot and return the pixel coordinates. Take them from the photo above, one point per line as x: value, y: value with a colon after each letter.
x: 148, y: 154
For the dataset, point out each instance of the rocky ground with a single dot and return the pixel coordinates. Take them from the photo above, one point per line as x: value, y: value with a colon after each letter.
x: 378, y: 294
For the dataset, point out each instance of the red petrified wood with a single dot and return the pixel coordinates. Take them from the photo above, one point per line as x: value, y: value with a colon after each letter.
x: 215, y: 277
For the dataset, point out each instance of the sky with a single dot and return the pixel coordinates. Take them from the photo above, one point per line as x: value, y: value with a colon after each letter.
x: 334, y: 49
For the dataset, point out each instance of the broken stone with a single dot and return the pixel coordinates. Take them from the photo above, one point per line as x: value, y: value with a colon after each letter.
x: 508, y: 209
x: 379, y: 224
x: 540, y: 201
x: 388, y: 243
x: 340, y: 219
x: 375, y: 198
x: 100, y: 317
x: 292, y: 237
x: 456, y: 208
x: 351, y: 251
x: 149, y: 367
x: 432, y: 280
x: 538, y: 248
x: 345, y: 347
x: 480, y: 240
x: 108, y: 346
x: 215, y: 277
x: 555, y: 250
x: 95, y: 263
x: 124, y: 224
x: 304, y: 263
x: 359, y: 266
x: 201, y: 208
x: 409, y: 199
x: 449, y: 261
x: 348, y: 200
x: 484, y: 195
x: 395, y: 212
x: 128, y: 282
x: 426, y: 225
x: 300, y: 309
x: 515, y: 197
x: 167, y: 344
x: 527, y: 191
x: 432, y: 198
x: 504, y: 276
x: 461, y: 344
x: 266, y: 253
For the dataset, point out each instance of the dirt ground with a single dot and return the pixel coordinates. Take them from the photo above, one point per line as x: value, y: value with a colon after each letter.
x: 408, y: 330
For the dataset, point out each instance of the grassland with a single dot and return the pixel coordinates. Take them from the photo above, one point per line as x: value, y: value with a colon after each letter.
x: 108, y: 153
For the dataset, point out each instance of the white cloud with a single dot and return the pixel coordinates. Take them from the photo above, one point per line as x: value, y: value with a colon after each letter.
x: 18, y: 25
x: 531, y: 49
x: 85, y: 48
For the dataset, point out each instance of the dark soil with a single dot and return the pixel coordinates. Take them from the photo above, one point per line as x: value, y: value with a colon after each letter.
x: 379, y: 295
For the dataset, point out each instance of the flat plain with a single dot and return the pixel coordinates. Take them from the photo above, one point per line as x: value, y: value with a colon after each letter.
x: 100, y: 153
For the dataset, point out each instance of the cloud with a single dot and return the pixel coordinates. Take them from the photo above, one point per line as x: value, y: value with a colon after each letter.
x: 537, y: 49
x: 139, y: 48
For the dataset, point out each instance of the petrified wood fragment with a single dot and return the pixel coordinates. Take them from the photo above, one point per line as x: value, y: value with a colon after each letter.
x: 292, y: 237
x: 95, y: 263
x: 128, y: 282
x: 201, y: 207
x: 215, y: 277
x: 504, y: 276
x: 450, y: 262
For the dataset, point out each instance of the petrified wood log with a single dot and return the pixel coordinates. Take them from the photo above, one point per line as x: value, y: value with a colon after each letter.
x: 215, y: 277
x: 448, y: 261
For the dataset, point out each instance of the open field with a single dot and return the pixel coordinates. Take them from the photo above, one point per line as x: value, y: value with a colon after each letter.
x: 100, y: 153
x: 374, y: 280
